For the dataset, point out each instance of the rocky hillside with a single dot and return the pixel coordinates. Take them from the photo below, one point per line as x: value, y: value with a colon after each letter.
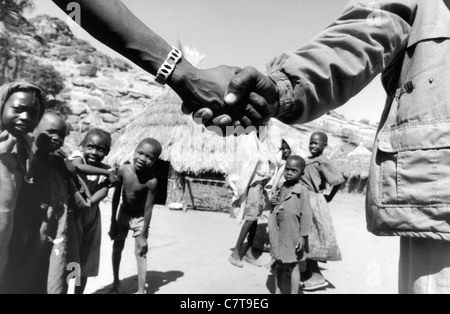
x: 109, y: 93
x: 99, y: 91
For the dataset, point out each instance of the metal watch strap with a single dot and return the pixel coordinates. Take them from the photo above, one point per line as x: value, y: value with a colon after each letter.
x: 168, y: 66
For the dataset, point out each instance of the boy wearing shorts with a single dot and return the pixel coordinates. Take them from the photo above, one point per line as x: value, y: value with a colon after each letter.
x: 137, y: 187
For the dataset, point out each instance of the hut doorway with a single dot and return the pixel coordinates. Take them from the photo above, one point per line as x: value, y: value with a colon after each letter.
x: 161, y: 171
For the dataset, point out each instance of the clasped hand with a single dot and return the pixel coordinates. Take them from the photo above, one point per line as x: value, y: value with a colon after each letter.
x: 229, y: 96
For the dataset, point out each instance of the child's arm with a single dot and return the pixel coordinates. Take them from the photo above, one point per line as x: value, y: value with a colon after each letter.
x: 306, y: 220
x: 91, y: 170
x: 100, y: 195
x: 142, y: 239
x: 333, y: 177
x: 115, y: 205
x: 102, y: 192
x: 329, y: 198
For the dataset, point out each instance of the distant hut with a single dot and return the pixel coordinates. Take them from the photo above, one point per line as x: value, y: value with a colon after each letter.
x: 193, y: 158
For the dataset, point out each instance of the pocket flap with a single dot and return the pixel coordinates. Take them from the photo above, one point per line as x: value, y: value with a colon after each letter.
x: 415, y: 136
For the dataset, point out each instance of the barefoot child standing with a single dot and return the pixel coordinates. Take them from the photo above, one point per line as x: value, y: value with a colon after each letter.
x: 98, y: 177
x: 137, y: 187
x: 21, y: 108
x: 319, y: 173
x: 290, y: 224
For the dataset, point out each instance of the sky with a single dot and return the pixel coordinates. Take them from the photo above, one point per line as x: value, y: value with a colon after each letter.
x: 240, y: 33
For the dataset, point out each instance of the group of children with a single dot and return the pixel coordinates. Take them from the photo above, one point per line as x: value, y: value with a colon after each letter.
x: 50, y: 218
x: 300, y: 227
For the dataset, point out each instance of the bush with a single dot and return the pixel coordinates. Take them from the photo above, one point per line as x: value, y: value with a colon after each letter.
x: 44, y: 76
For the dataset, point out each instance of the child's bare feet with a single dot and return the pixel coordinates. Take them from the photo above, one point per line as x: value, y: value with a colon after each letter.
x: 145, y: 290
x: 116, y: 289
x: 271, y: 264
x: 235, y: 262
x: 316, y: 282
x: 250, y: 258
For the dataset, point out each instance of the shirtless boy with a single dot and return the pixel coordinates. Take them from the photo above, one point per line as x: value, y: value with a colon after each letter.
x: 137, y: 186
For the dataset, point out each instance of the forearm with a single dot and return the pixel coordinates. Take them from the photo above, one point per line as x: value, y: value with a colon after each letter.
x: 306, y: 220
x: 113, y: 24
x: 99, y: 196
x: 147, y: 219
x: 91, y: 170
x: 335, y: 190
x: 115, y: 203
x: 338, y: 63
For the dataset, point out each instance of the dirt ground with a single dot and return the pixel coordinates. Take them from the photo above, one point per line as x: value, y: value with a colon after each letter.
x: 189, y: 255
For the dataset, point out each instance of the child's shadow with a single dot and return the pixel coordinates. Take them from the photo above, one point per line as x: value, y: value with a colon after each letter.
x: 155, y: 281
x: 285, y: 287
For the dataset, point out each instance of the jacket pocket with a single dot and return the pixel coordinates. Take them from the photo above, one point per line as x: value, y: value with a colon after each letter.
x: 415, y: 165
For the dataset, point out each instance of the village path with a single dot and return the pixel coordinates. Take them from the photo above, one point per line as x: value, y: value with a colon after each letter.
x: 189, y: 255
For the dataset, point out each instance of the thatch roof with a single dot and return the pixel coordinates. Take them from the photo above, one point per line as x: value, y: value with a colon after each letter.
x: 189, y: 147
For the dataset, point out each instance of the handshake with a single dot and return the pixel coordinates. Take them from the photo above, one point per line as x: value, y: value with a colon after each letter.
x: 226, y: 96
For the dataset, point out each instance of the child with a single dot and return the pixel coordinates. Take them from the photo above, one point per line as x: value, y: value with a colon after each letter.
x: 45, y: 241
x: 322, y: 243
x: 99, y: 178
x: 290, y: 224
x: 139, y: 187
x: 21, y: 107
x: 287, y: 149
x: 252, y: 172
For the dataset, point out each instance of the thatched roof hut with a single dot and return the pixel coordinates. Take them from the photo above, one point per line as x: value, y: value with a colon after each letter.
x: 189, y: 147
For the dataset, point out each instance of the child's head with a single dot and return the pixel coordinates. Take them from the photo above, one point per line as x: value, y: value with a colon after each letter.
x: 286, y: 150
x: 50, y: 133
x: 294, y: 169
x: 318, y: 143
x: 96, y: 146
x: 147, y: 153
x: 21, y: 107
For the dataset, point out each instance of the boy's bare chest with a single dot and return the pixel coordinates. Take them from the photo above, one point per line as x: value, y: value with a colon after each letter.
x: 133, y: 185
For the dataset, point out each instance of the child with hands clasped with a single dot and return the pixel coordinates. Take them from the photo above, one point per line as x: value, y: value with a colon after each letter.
x: 98, y: 177
x: 290, y: 224
x: 137, y: 187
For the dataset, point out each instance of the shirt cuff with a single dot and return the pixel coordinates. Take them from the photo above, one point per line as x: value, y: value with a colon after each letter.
x: 286, y: 93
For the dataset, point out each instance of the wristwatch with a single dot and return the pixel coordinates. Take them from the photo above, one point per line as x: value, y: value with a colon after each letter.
x: 168, y: 66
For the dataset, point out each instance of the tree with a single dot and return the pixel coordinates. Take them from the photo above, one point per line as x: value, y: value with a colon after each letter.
x: 44, y: 76
x: 12, y: 24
